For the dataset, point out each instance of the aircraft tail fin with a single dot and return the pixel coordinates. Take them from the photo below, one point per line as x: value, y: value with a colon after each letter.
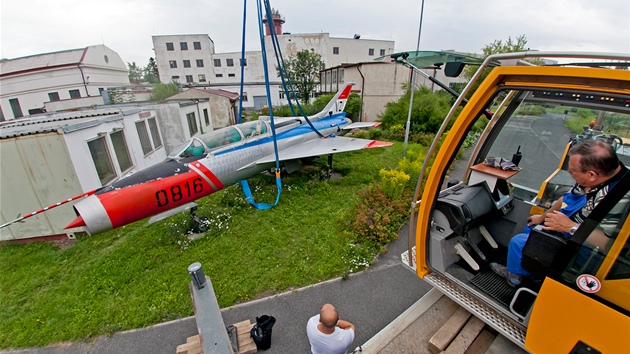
x: 336, y: 104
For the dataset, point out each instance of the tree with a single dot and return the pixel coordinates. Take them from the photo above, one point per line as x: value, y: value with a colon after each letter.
x: 428, y: 111
x: 302, y: 71
x: 151, y: 74
x: 135, y: 73
x: 162, y: 91
x: 496, y: 47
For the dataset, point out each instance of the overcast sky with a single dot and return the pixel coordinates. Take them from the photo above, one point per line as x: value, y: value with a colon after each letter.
x: 39, y: 26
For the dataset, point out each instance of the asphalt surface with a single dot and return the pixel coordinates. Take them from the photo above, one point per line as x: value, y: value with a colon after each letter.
x: 370, y: 300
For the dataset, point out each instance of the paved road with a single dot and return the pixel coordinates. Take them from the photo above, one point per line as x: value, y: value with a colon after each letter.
x: 370, y: 299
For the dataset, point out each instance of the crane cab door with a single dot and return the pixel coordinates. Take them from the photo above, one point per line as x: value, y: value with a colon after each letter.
x: 587, y: 303
x: 584, y: 302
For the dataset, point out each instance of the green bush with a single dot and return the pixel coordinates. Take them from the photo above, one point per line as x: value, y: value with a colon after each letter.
x: 376, y: 218
x: 428, y: 110
x: 393, y: 182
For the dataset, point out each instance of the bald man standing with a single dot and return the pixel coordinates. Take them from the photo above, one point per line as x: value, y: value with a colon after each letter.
x: 329, y: 334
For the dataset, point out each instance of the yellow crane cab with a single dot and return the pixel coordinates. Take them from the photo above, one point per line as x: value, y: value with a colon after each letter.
x: 467, y: 209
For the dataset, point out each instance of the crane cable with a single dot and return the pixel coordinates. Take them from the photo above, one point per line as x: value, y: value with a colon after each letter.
x: 244, y: 183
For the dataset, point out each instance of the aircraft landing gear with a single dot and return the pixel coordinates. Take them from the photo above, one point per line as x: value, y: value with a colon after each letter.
x: 202, y: 224
x: 327, y: 170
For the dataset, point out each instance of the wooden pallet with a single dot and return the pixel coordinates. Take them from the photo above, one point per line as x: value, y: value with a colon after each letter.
x: 462, y: 333
x: 246, y: 344
x: 192, y: 346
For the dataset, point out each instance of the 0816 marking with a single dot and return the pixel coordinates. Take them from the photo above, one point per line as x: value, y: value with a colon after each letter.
x: 177, y: 192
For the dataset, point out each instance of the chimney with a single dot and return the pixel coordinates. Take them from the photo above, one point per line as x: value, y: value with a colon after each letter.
x: 278, y: 21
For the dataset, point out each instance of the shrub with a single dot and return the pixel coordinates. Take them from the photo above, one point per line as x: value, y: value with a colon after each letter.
x: 393, y: 182
x: 376, y: 218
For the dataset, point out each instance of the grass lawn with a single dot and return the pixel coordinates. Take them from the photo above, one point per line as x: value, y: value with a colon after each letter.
x: 137, y: 276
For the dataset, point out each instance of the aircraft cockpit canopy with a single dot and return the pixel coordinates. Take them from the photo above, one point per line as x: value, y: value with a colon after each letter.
x: 205, y: 143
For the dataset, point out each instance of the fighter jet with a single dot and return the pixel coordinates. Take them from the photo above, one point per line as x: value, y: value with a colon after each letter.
x: 208, y: 163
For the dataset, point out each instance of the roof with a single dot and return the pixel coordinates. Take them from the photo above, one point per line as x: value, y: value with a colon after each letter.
x: 65, y: 121
x: 42, y: 61
x: 204, y: 93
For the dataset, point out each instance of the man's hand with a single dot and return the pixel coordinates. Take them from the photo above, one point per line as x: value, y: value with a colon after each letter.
x: 556, y: 221
x: 345, y: 325
x: 535, y: 219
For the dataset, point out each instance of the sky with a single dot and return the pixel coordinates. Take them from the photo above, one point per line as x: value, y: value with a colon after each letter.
x: 29, y: 27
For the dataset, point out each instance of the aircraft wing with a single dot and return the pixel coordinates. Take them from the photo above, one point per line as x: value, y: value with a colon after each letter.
x: 323, y: 146
x: 361, y: 125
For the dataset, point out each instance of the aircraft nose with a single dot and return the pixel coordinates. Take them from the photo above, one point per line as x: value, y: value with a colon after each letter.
x: 78, y: 222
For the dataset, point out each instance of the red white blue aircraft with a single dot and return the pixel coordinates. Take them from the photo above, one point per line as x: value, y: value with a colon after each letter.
x: 211, y: 162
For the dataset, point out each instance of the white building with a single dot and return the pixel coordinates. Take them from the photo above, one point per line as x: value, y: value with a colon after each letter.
x: 192, y: 59
x: 378, y: 82
x: 51, y: 157
x: 27, y: 84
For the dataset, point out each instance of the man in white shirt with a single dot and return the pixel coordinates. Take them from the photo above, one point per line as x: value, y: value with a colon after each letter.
x: 329, y: 334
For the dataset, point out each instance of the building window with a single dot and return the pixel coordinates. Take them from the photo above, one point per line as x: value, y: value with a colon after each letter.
x: 200, y: 63
x: 229, y: 62
x: 172, y: 64
x: 244, y: 96
x: 189, y: 78
x: 15, y: 107
x: 75, y: 94
x: 341, y: 76
x: 101, y: 159
x: 155, y: 133
x: 53, y: 96
x: 202, y: 77
x: 145, y: 138
x: 206, y: 116
x: 219, y: 75
x: 231, y: 75
x: 382, y: 52
x: 371, y: 51
x: 186, y: 63
x: 169, y: 46
x: 334, y: 77
x: 183, y: 45
x: 192, y: 123
x: 217, y: 63
x: 121, y: 151
x: 281, y: 94
x: 197, y: 45
x: 143, y: 134
x: 335, y: 50
x: 175, y: 77
x: 242, y: 63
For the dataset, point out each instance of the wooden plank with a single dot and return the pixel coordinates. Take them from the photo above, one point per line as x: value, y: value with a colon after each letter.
x: 190, y: 347
x: 443, y: 337
x: 246, y: 344
x: 407, y: 318
x: 466, y: 337
x: 481, y: 344
x: 192, y: 339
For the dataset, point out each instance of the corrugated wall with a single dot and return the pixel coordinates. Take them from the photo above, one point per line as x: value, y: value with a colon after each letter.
x: 35, y: 172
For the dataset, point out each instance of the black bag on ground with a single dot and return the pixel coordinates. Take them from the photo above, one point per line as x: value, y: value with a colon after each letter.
x: 261, y: 332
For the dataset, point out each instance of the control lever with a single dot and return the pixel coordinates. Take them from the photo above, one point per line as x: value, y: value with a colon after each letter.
x: 474, y: 247
x: 461, y: 251
x: 484, y: 232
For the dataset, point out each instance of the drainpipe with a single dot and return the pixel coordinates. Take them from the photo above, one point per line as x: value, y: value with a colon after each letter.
x: 362, y: 91
x: 199, y: 115
x: 87, y: 94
